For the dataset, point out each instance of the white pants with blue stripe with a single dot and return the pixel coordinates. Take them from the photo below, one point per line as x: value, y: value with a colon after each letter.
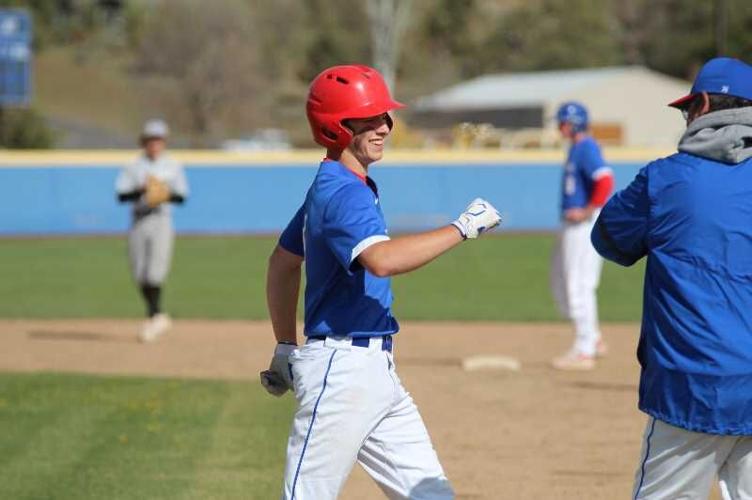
x: 679, y: 464
x: 352, y: 408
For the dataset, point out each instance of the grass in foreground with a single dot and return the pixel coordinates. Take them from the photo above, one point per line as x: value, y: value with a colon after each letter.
x: 497, y: 278
x: 84, y: 437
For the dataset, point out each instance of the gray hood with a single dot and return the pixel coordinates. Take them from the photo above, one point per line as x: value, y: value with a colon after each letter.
x: 724, y: 136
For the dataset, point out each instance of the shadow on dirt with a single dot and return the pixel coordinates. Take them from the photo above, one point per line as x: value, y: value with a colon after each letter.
x: 415, y: 361
x: 604, y: 386
x: 76, y: 336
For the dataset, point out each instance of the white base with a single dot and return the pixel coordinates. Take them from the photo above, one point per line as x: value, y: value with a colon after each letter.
x: 474, y: 363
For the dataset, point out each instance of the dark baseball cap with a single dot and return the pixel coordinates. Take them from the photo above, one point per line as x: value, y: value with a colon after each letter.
x: 722, y: 75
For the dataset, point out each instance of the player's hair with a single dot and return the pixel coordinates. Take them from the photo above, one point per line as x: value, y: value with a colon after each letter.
x: 719, y: 102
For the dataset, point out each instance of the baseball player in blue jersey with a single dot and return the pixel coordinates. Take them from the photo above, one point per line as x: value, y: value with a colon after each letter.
x: 691, y: 215
x: 587, y: 183
x: 352, y: 406
x: 151, y: 183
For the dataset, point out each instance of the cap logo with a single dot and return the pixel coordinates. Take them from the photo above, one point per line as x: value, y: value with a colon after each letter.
x: 724, y: 89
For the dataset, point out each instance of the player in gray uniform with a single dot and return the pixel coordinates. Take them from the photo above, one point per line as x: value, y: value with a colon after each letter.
x: 151, y: 183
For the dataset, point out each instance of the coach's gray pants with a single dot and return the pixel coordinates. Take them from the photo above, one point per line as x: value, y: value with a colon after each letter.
x: 150, y: 242
x: 680, y: 464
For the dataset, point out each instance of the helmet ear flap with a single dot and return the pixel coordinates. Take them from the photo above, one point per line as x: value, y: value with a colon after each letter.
x: 328, y: 134
x: 336, y: 134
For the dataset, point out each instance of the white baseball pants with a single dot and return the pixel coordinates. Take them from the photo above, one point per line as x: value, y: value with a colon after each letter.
x: 352, y: 408
x: 680, y: 464
x: 575, y: 274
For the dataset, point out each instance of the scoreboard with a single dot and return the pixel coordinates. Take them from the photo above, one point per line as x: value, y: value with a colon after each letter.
x: 15, y: 57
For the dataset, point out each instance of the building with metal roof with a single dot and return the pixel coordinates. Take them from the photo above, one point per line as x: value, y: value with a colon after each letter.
x: 627, y: 104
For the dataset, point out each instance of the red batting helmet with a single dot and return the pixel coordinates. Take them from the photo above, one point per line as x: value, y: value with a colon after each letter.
x: 343, y: 92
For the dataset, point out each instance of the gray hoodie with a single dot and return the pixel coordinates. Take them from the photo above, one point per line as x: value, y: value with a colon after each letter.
x: 724, y: 136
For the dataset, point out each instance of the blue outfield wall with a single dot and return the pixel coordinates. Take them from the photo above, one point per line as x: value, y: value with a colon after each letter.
x: 39, y: 199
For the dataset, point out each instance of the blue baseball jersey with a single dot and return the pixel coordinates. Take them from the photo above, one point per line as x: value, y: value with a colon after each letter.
x: 692, y: 218
x: 583, y: 167
x: 341, y: 217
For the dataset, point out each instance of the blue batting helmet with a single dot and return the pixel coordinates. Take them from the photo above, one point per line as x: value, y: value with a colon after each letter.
x: 575, y: 114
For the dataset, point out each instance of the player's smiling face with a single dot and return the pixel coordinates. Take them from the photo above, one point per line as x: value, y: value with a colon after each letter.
x: 369, y: 134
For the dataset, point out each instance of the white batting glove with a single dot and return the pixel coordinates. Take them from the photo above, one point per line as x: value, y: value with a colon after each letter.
x: 479, y: 217
x: 278, y: 378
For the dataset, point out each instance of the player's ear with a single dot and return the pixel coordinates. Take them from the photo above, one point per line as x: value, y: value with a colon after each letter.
x: 705, y: 104
x: 699, y: 106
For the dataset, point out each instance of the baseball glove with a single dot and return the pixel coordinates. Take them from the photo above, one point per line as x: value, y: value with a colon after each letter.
x: 156, y: 193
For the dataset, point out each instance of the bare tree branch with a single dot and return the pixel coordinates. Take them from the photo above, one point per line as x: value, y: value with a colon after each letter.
x: 388, y: 19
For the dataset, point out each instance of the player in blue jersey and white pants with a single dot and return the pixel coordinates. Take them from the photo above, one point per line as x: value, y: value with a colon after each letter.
x: 575, y: 266
x: 352, y: 406
x: 691, y: 215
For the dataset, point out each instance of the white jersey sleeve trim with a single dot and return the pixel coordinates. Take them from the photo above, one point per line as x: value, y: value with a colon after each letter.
x: 371, y: 240
x: 602, y: 172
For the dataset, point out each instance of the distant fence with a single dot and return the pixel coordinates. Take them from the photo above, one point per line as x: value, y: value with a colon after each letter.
x: 73, y: 193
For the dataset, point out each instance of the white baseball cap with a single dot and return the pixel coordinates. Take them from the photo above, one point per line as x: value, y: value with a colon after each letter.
x: 156, y: 129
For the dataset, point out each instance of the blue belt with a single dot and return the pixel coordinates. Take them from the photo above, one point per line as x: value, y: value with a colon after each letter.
x: 386, y: 341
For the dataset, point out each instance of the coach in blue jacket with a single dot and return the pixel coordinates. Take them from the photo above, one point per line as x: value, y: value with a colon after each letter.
x: 691, y: 215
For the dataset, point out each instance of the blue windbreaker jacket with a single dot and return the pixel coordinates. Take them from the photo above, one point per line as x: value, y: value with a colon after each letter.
x: 692, y: 218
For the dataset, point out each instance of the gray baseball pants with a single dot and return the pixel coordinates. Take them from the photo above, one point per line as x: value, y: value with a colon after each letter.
x: 150, y: 243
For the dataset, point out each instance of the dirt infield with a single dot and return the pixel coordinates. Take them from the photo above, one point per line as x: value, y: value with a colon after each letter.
x: 536, y: 433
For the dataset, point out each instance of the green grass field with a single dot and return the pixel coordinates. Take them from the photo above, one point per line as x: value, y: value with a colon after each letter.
x: 500, y: 278
x: 87, y: 437
x: 81, y: 437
